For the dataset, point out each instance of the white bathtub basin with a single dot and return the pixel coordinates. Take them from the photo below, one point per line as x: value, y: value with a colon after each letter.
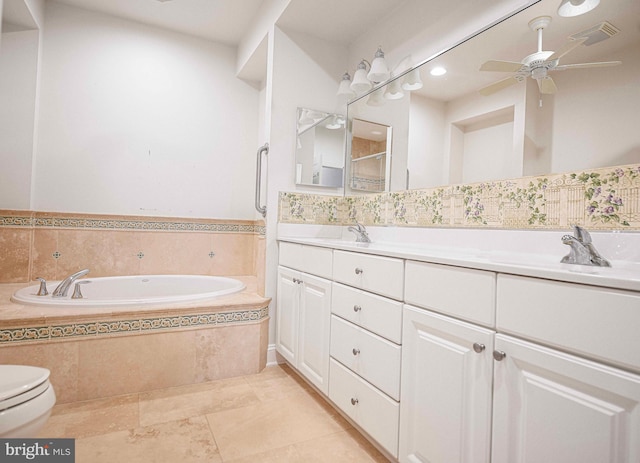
x: 135, y: 290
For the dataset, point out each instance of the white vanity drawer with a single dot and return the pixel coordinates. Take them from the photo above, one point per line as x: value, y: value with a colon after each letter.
x: 310, y: 259
x: 461, y: 292
x: 376, y: 313
x: 370, y: 356
x: 372, y: 410
x: 381, y: 275
x: 600, y: 323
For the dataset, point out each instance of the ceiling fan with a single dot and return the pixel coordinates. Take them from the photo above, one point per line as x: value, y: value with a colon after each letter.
x: 537, y: 65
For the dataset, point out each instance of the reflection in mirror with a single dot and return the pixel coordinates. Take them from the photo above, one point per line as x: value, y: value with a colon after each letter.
x: 370, y: 156
x: 535, y: 94
x: 319, y: 148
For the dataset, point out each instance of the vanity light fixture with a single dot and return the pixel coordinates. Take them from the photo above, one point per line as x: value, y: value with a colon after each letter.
x: 569, y: 8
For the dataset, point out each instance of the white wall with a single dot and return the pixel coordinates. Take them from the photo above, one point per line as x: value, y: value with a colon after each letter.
x: 593, y: 102
x: 18, y: 73
x: 426, y: 143
x: 138, y: 120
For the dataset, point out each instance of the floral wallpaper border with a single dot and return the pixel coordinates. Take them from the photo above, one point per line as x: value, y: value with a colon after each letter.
x: 603, y: 199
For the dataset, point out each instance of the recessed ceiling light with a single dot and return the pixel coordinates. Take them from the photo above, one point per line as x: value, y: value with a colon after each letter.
x: 438, y: 71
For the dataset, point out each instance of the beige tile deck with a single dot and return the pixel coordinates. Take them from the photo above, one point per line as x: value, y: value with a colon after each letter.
x: 272, y: 416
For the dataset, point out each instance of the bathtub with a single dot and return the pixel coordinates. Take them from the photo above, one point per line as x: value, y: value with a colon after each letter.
x: 135, y: 290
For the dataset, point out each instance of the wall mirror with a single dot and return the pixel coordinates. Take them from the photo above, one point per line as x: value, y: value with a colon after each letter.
x: 319, y: 148
x: 537, y: 93
x: 370, y: 156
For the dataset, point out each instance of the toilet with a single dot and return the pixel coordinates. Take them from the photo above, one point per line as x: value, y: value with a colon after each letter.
x: 26, y: 400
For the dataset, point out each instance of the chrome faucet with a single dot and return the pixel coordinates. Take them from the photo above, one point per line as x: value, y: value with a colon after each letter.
x: 583, y: 251
x: 63, y: 288
x: 361, y: 233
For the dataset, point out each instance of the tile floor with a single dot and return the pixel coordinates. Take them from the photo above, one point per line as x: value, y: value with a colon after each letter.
x: 270, y: 417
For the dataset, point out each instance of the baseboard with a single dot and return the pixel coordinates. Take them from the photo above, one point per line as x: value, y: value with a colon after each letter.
x: 273, y: 358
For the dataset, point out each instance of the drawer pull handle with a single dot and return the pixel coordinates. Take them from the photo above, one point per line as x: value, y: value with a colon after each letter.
x: 477, y: 347
x: 359, y: 271
x: 355, y: 351
x: 354, y: 401
x: 357, y: 308
x: 499, y: 355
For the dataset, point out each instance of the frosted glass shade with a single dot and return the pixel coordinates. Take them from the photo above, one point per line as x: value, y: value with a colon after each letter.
x: 379, y: 71
x: 376, y: 98
x: 412, y: 80
x: 394, y: 90
x: 360, y: 82
x: 345, y: 86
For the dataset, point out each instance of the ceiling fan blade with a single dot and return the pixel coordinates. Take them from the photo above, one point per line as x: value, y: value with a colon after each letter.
x: 501, y: 66
x: 602, y: 64
x: 547, y: 86
x: 566, y: 48
x: 496, y: 86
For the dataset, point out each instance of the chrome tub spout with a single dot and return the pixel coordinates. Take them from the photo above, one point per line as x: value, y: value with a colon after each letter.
x: 63, y: 288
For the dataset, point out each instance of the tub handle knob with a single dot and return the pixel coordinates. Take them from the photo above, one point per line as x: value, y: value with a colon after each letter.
x: 77, y: 294
x: 42, y: 291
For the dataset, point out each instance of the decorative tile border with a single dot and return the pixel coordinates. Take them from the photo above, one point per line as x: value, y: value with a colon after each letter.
x: 602, y: 199
x: 133, y: 326
x: 36, y: 220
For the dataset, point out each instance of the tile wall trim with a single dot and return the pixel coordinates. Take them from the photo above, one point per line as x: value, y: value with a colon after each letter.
x: 49, y: 220
x: 142, y: 325
x: 600, y: 199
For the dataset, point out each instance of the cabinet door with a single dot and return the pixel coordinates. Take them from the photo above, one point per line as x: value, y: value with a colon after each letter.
x: 313, y: 337
x: 287, y: 314
x: 556, y: 408
x: 445, y: 411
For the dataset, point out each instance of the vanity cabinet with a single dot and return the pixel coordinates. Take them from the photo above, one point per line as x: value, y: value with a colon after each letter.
x: 364, y: 377
x: 441, y: 363
x: 303, y: 313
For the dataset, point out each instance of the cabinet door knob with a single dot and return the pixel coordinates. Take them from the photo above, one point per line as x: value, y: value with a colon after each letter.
x: 354, y: 401
x: 359, y: 271
x: 499, y: 355
x: 477, y: 347
x: 357, y: 308
x: 355, y: 351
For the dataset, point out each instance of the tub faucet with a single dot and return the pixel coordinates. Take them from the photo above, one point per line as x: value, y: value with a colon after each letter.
x: 361, y: 233
x: 63, y: 288
x: 582, y: 249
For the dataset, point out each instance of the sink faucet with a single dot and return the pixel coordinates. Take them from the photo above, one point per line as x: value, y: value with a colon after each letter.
x: 361, y: 233
x: 582, y: 249
x: 63, y: 288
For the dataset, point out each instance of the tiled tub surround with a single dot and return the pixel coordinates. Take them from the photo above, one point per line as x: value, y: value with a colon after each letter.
x: 102, y: 352
x: 54, y: 245
x: 600, y: 199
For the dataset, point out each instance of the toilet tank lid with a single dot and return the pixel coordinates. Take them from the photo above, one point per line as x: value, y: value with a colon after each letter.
x: 18, y: 379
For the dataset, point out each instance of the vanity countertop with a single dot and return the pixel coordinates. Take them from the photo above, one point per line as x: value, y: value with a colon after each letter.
x: 623, y: 275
